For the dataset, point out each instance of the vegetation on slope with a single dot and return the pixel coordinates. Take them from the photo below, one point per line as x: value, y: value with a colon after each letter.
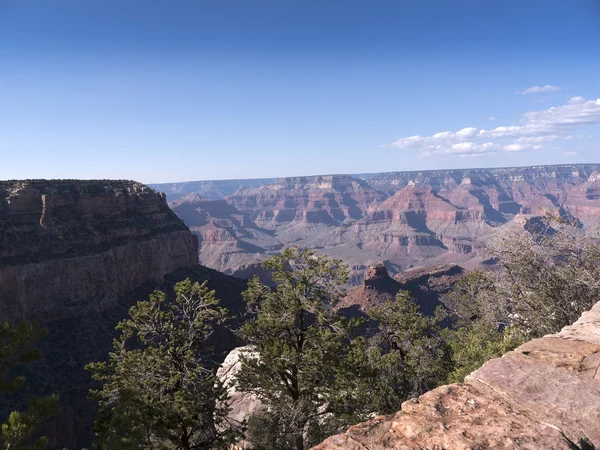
x: 317, y: 371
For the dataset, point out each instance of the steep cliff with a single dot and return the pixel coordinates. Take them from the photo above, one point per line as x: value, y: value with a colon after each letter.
x: 543, y: 395
x: 68, y: 246
x: 228, y: 238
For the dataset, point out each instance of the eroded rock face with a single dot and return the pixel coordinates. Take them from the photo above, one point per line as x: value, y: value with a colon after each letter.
x: 404, y: 218
x: 329, y: 199
x: 543, y: 395
x: 377, y: 288
x: 67, y: 247
x: 229, y: 240
x: 242, y: 404
x: 426, y: 286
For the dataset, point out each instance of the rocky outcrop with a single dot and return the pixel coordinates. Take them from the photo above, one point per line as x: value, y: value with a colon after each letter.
x: 377, y: 288
x: 255, y: 269
x: 242, y: 404
x: 426, y: 286
x: 544, y: 394
x: 69, y: 247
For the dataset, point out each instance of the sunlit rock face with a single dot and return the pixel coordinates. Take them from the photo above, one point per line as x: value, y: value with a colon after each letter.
x: 67, y: 246
x: 406, y: 219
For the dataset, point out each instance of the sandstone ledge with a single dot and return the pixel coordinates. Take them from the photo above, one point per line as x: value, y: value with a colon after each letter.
x: 543, y: 395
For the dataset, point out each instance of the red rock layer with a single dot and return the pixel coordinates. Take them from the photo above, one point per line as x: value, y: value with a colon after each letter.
x: 405, y: 218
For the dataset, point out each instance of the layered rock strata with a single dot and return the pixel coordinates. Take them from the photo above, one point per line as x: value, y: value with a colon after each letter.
x: 544, y: 394
x: 406, y: 219
x: 68, y: 247
x: 426, y: 286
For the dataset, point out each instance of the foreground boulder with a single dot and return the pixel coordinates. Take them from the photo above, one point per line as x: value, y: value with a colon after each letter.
x: 543, y: 395
x: 242, y: 404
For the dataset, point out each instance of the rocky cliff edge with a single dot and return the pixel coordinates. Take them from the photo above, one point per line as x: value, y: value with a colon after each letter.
x: 71, y: 246
x: 543, y: 395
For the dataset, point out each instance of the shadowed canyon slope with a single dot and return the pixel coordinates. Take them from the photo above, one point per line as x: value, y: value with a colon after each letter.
x: 405, y: 219
x: 68, y: 246
x: 76, y: 255
x: 543, y: 395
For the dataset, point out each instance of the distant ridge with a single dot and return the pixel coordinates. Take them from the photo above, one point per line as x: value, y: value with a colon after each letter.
x: 405, y: 219
x: 222, y: 188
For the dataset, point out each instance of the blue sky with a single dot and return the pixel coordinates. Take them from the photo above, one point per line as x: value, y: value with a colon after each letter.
x: 185, y: 90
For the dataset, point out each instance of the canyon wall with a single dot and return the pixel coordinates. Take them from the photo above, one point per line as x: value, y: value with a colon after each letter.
x: 406, y: 219
x: 69, y: 247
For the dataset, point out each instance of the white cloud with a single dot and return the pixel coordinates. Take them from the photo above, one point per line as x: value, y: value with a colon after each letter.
x: 570, y: 153
x: 576, y: 100
x: 536, y: 89
x: 474, y: 155
x: 466, y: 133
x: 536, y: 127
x: 538, y: 139
x: 492, y: 118
x: 515, y: 147
x: 462, y: 149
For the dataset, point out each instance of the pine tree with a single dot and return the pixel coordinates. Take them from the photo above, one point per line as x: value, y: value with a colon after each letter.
x: 158, y: 388
x: 16, y: 347
x: 303, y: 371
x: 410, y: 355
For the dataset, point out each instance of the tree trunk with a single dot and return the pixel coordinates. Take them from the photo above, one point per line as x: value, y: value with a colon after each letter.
x: 300, y: 442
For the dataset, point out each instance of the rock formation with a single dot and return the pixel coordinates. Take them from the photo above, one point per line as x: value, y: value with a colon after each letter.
x: 377, y: 288
x: 242, y: 404
x: 407, y: 219
x: 228, y: 238
x: 72, y: 246
x: 543, y: 395
x: 426, y: 286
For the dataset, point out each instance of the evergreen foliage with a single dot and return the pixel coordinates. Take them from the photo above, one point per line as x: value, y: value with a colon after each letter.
x: 16, y: 432
x: 305, y: 370
x: 410, y: 355
x: 548, y: 275
x: 158, y: 387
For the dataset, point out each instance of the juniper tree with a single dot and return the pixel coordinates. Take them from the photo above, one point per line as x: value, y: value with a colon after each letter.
x: 547, y: 276
x: 410, y: 355
x: 303, y: 370
x: 549, y: 273
x: 16, y: 348
x: 158, y: 389
x: 481, y: 329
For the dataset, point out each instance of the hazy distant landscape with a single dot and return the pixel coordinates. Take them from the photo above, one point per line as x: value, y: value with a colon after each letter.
x: 405, y: 219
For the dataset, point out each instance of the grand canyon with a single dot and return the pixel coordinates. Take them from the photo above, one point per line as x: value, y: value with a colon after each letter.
x: 405, y: 219
x: 76, y: 255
